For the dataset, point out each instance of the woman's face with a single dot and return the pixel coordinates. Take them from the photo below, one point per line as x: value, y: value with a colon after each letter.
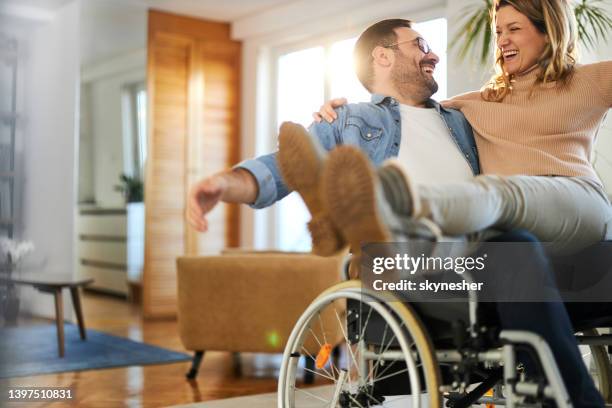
x: 519, y: 41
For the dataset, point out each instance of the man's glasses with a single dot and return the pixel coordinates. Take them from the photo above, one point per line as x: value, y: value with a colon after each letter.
x: 421, y: 43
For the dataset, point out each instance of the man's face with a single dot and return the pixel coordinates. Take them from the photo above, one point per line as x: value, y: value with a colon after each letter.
x: 413, y: 68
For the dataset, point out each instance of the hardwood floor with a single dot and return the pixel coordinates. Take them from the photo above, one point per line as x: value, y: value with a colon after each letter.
x: 150, y: 386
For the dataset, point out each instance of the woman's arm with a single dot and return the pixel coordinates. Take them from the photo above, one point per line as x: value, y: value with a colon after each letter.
x: 599, y: 75
x: 457, y: 101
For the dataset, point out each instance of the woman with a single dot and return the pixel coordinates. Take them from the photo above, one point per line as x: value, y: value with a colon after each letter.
x: 535, y: 123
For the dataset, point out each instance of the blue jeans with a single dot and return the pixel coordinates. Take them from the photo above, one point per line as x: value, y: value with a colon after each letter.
x: 551, y: 321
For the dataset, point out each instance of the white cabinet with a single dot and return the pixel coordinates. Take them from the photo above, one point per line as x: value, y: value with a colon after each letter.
x: 103, y: 248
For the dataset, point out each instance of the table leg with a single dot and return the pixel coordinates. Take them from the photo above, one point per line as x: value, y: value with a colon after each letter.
x: 59, y: 320
x: 76, y: 302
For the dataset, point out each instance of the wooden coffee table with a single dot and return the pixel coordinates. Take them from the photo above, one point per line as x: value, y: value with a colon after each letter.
x: 54, y: 284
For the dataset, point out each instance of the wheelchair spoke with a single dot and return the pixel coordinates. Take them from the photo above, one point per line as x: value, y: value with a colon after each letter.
x: 373, y: 398
x: 379, y: 361
x: 335, y: 370
x: 348, y: 343
x: 314, y: 359
x: 366, y: 324
x: 322, y: 329
x: 333, y: 367
x: 410, y: 346
x: 310, y: 394
x: 315, y: 337
x: 355, y: 401
x: 319, y: 374
x: 387, y: 369
x: 348, y: 346
x: 375, y: 367
x: 393, y: 374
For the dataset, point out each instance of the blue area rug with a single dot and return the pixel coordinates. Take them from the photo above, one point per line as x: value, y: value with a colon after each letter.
x: 32, y: 350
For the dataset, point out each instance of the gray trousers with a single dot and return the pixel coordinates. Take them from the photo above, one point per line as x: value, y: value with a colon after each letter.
x: 569, y: 212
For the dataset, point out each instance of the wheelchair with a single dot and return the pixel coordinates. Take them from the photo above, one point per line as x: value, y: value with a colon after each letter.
x: 368, y: 349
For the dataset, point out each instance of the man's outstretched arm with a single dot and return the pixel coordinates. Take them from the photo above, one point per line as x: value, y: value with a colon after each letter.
x: 256, y: 182
x: 231, y: 186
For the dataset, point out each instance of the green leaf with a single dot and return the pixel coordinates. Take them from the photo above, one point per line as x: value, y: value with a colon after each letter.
x: 467, y: 36
x: 486, y: 45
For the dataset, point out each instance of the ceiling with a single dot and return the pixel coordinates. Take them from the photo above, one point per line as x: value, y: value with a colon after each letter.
x: 219, y: 10
x: 46, y: 5
x: 225, y: 10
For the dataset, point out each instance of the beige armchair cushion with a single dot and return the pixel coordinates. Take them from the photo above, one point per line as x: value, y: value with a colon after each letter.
x: 250, y: 302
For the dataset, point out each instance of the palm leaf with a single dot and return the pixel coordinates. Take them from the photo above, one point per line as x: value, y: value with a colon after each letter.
x: 471, y: 36
x: 599, y: 25
x: 474, y: 36
x: 476, y: 21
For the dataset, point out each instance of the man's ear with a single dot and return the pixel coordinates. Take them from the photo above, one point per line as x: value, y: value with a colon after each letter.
x: 383, y: 57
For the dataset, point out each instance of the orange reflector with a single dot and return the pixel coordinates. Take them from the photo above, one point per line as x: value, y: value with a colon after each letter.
x: 489, y: 394
x: 323, y: 355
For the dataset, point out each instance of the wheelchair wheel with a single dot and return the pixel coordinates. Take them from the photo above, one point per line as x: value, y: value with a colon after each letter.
x: 603, y: 375
x: 380, y: 342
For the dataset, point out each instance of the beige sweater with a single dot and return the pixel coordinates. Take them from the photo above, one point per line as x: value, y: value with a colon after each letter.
x: 551, y: 133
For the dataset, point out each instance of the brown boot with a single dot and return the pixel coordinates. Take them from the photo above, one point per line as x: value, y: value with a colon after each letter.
x: 350, y: 192
x: 301, y: 160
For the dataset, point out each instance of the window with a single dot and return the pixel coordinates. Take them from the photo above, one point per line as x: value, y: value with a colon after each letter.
x: 9, y: 184
x: 135, y: 129
x: 301, y: 79
x: 306, y: 77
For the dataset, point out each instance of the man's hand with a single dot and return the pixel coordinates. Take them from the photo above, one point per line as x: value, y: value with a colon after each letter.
x: 230, y: 186
x: 203, y: 197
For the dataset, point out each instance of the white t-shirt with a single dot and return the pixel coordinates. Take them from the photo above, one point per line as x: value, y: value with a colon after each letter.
x: 428, y: 151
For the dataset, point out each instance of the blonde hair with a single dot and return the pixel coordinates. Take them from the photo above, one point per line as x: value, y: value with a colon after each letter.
x: 554, y: 18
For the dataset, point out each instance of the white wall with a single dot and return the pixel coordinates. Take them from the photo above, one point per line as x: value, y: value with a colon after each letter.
x: 110, y: 28
x: 49, y: 100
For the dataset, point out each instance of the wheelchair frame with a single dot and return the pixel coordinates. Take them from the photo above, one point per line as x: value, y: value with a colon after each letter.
x: 511, y: 389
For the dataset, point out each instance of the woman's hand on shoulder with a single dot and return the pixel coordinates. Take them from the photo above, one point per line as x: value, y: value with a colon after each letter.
x: 327, y: 112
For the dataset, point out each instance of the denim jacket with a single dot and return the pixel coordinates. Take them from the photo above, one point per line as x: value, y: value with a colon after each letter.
x: 374, y: 127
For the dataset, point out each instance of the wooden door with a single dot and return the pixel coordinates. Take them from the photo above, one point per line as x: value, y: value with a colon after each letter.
x: 193, y: 74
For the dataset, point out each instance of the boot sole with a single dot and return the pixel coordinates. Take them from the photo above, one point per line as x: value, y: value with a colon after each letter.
x: 349, y: 184
x: 301, y: 167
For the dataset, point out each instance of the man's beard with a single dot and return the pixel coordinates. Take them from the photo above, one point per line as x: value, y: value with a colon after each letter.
x: 410, y: 82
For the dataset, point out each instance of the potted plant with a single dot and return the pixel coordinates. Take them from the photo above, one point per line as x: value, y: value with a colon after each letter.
x: 12, y: 253
x: 131, y: 188
x: 474, y: 35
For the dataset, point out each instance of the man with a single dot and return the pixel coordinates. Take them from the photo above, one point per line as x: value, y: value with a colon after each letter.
x: 396, y: 65
x: 401, y: 83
